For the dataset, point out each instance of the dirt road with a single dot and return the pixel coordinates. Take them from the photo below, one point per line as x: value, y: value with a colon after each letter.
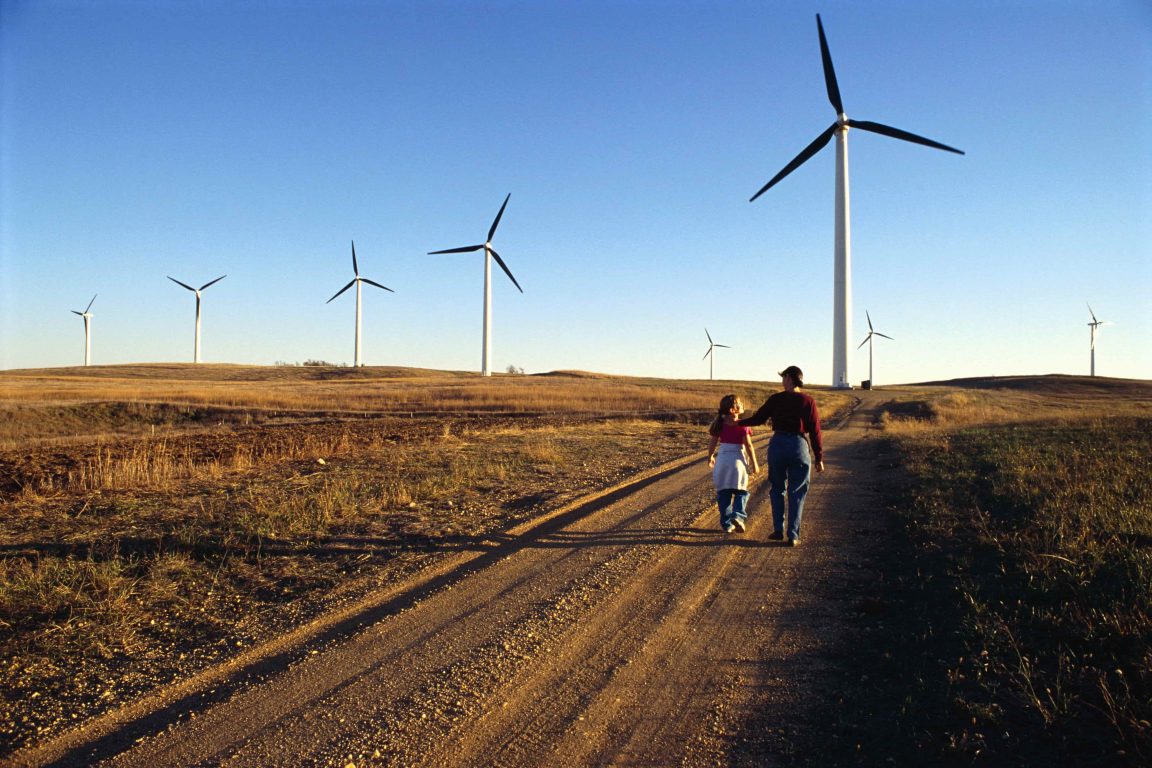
x: 626, y: 629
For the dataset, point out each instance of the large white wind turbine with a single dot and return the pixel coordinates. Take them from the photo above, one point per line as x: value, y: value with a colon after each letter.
x: 486, y: 359
x: 87, y: 328
x: 711, y: 346
x: 197, y: 292
x: 1094, y: 325
x: 842, y: 290
x: 868, y: 341
x: 356, y: 281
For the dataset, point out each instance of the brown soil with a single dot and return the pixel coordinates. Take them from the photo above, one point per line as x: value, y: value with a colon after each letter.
x: 619, y: 628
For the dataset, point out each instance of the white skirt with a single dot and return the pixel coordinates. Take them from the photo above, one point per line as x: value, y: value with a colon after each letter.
x: 731, y: 470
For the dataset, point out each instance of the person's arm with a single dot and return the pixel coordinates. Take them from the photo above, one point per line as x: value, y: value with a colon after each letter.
x: 815, y: 435
x: 712, y: 450
x: 750, y: 452
x: 759, y: 418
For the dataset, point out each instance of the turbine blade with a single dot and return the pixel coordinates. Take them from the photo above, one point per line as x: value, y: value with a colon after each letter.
x: 492, y: 231
x: 800, y: 159
x: 89, y: 305
x: 869, y: 319
x: 366, y: 280
x: 1090, y: 311
x: 887, y: 337
x: 214, y: 281
x: 896, y: 133
x: 829, y: 72
x: 180, y: 283
x: 504, y: 267
x: 708, y: 335
x: 77, y: 313
x: 725, y: 346
x: 467, y: 249
x: 341, y: 291
x: 865, y: 340
x: 707, y: 353
x: 355, y: 268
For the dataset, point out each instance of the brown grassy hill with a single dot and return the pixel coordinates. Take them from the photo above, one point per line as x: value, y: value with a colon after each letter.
x: 1053, y: 383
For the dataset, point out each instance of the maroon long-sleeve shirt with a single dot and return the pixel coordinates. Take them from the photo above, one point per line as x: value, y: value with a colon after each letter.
x: 790, y: 412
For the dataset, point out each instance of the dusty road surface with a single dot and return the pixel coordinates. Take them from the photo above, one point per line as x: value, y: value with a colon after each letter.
x: 625, y: 629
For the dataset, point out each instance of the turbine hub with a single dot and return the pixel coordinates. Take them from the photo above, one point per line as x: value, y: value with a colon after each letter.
x: 842, y: 121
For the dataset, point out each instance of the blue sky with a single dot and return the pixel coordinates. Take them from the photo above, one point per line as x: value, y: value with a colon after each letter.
x: 256, y: 139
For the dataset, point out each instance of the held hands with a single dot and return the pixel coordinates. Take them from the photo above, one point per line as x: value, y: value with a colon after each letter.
x: 820, y: 466
x: 711, y: 461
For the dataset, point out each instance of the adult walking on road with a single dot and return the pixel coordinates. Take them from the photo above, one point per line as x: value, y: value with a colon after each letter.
x: 793, y: 414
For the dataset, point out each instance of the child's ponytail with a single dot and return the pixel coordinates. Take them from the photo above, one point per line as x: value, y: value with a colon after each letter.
x: 726, y: 404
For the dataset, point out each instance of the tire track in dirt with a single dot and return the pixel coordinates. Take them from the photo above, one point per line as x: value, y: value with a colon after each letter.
x: 627, y: 630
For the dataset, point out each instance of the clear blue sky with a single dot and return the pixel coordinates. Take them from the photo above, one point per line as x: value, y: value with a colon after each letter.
x: 194, y: 139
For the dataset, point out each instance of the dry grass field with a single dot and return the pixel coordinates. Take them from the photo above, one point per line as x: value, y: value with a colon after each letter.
x: 1025, y: 555
x: 156, y: 520
x: 44, y: 403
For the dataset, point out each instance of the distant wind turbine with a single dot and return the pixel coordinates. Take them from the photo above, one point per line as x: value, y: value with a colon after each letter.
x: 87, y: 328
x: 197, y: 292
x: 842, y: 289
x: 868, y: 341
x: 711, y: 346
x: 356, y: 281
x: 486, y: 359
x: 1094, y: 325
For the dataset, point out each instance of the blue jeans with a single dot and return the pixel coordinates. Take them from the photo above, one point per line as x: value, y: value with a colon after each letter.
x: 731, y: 503
x: 789, y: 467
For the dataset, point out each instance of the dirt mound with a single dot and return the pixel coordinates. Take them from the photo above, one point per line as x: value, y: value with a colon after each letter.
x: 579, y: 375
x: 1053, y: 383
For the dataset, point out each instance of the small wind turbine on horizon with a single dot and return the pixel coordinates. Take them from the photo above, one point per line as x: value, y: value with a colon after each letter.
x: 868, y: 341
x: 709, y: 354
x: 1094, y: 325
x: 87, y: 328
x: 842, y: 288
x: 486, y: 359
x: 356, y: 281
x: 196, y: 358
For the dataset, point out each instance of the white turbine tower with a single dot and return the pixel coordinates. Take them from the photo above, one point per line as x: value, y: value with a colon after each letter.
x: 1094, y: 325
x: 356, y: 281
x: 87, y: 328
x: 842, y: 288
x: 486, y: 359
x: 711, y: 346
x: 196, y: 291
x: 868, y: 341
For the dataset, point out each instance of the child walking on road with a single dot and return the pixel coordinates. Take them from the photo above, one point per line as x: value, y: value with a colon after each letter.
x: 729, y: 454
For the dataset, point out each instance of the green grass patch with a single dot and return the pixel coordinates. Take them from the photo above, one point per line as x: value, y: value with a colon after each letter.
x: 1034, y: 542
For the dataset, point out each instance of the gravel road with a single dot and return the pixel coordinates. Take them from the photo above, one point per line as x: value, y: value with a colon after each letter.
x: 624, y: 629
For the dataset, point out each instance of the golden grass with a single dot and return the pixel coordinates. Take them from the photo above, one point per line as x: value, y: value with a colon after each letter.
x: 38, y: 405
x: 920, y: 411
x: 436, y: 393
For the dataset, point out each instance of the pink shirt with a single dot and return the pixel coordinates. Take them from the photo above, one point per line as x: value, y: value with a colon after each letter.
x: 730, y: 433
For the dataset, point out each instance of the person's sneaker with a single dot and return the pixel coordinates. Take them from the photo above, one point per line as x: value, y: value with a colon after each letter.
x: 776, y: 536
x: 793, y: 542
x: 739, y: 525
x: 729, y: 528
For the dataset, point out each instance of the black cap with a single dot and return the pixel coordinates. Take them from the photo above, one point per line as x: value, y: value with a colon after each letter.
x: 796, y: 374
